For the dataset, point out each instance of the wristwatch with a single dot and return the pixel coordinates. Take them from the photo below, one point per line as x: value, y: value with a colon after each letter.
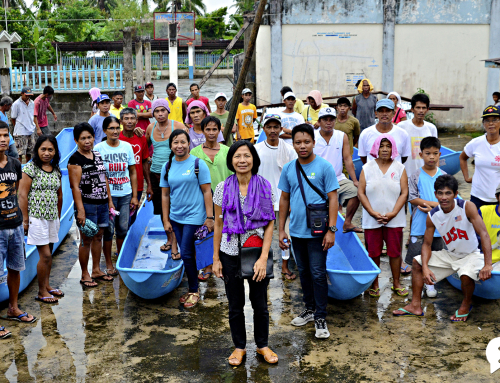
x: 333, y: 228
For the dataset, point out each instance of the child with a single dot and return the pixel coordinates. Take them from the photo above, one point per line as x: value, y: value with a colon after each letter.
x: 423, y: 200
x: 496, y: 98
x: 245, y: 117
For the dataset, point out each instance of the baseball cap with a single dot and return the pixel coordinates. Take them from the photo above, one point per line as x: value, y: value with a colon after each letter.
x: 139, y: 88
x: 343, y: 100
x: 246, y: 90
x: 148, y: 84
x: 491, y: 111
x: 272, y: 117
x: 101, y: 98
x: 327, y: 112
x: 385, y: 103
x: 27, y: 90
x: 289, y: 94
x: 220, y: 94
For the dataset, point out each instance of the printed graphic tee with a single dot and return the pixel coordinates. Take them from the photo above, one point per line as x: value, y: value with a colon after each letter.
x: 116, y: 162
x: 93, y: 181
x: 141, y: 153
x: 245, y: 116
x: 290, y: 121
x: 141, y: 107
x: 10, y: 213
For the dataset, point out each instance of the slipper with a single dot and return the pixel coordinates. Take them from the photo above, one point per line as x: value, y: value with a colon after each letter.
x: 401, y: 291
x: 183, y: 298
x: 176, y: 259
x: 289, y: 276
x: 267, y: 354
x: 204, y: 276
x: 192, y: 300
x: 4, y: 335
x: 407, y: 314
x: 457, y: 315
x: 166, y: 247
x: 59, y: 294
x: 84, y: 283
x: 374, y: 292
x: 103, y: 278
x: 354, y: 229
x: 44, y: 299
x: 238, y: 355
x: 18, y: 318
x: 404, y: 272
x: 111, y: 272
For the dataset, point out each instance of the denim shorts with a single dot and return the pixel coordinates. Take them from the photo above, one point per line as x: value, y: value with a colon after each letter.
x: 119, y: 223
x: 99, y: 214
x: 12, y: 250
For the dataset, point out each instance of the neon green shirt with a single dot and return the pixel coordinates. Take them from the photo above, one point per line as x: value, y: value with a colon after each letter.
x: 218, y: 169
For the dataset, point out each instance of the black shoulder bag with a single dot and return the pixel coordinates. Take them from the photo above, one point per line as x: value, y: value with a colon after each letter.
x: 317, y: 213
x: 248, y: 256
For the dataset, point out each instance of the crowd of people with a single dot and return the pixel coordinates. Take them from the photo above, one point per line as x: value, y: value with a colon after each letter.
x: 297, y: 180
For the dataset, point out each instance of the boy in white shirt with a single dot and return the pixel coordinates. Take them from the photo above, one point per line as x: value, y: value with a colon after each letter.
x: 289, y: 117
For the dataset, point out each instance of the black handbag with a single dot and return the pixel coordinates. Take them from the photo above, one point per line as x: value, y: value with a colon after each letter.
x: 248, y: 256
x: 317, y: 213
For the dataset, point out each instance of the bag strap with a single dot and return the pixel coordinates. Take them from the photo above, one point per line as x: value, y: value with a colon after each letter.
x: 397, y: 114
x: 197, y: 167
x: 301, y: 170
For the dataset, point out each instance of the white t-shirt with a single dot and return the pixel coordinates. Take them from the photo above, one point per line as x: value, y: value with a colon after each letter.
x: 383, y: 190
x: 332, y: 152
x: 269, y: 168
x: 487, y: 168
x: 370, y: 135
x: 289, y: 121
x: 416, y: 134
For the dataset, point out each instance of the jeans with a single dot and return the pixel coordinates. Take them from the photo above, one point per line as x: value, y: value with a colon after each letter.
x: 235, y: 291
x: 99, y: 214
x: 12, y: 251
x: 119, y: 223
x: 311, y: 262
x: 45, y: 130
x: 184, y: 234
x: 134, y: 216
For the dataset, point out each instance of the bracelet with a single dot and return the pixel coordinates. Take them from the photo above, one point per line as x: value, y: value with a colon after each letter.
x: 212, y: 218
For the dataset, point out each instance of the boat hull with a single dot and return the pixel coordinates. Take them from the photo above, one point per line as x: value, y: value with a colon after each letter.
x: 489, y: 289
x: 146, y: 283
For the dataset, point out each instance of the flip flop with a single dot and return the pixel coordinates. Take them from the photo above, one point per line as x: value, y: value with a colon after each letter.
x: 103, y: 278
x: 354, y: 229
x: 18, y: 318
x: 374, y: 292
x: 457, y: 315
x: 165, y: 247
x: 44, y: 299
x: 268, y: 354
x: 53, y: 292
x: 204, y: 276
x: 176, y: 259
x: 407, y: 314
x: 399, y: 291
x: 404, y: 272
x: 113, y: 272
x: 83, y: 283
x: 291, y: 276
x: 238, y: 355
x: 192, y: 300
x: 4, y: 335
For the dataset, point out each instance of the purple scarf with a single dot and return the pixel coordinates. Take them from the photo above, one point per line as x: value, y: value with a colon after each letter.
x: 258, y: 206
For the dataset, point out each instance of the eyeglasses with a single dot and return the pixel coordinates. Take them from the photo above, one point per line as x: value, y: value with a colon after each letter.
x: 491, y: 121
x: 113, y: 128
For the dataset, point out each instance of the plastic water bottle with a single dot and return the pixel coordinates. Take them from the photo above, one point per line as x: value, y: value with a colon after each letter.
x: 285, y: 254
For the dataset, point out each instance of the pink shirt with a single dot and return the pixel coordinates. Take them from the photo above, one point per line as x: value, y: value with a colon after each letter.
x: 41, y: 106
x: 398, y: 116
x: 202, y: 99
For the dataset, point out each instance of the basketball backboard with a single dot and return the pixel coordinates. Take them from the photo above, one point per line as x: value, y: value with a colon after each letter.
x: 186, y: 25
x: 161, y: 25
x: 197, y: 41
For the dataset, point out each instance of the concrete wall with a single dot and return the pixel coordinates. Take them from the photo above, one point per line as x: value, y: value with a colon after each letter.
x: 263, y: 65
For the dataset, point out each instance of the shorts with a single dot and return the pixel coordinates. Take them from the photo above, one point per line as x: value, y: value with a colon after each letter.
x: 42, y: 231
x: 12, y: 251
x: 25, y: 144
x: 119, y: 223
x: 415, y: 247
x: 346, y: 191
x: 444, y: 263
x: 99, y: 214
x: 375, y: 238
x: 45, y: 130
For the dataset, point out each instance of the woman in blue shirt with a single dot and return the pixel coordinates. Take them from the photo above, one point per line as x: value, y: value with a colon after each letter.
x: 187, y: 205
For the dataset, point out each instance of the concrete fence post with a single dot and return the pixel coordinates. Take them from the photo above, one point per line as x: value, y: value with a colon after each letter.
x: 147, y: 56
x: 128, y: 68
x: 139, y: 69
x: 276, y: 51
x: 493, y: 84
x: 388, y: 45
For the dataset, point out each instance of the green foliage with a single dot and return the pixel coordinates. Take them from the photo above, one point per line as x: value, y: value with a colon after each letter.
x: 243, y: 6
x: 130, y: 13
x: 213, y: 25
x: 196, y: 6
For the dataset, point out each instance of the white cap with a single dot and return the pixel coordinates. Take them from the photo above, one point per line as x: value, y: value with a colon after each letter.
x: 289, y: 94
x: 220, y: 94
x: 246, y: 90
x: 327, y: 112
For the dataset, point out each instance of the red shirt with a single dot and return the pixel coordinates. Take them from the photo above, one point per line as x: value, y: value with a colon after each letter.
x: 41, y: 106
x: 141, y: 153
x: 141, y: 107
x: 202, y: 99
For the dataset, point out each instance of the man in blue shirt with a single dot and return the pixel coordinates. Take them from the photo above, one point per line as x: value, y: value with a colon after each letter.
x: 103, y: 104
x: 5, y: 105
x: 310, y: 251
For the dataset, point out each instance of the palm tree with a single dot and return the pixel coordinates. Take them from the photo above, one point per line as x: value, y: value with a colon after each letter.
x: 243, y: 6
x: 196, y: 6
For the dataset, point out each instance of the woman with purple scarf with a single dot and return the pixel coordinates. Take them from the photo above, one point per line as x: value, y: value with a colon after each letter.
x: 244, y: 212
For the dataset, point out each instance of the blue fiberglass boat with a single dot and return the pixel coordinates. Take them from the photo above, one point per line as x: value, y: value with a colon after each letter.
x: 67, y: 147
x: 489, y: 289
x: 449, y: 161
x: 349, y: 269
x: 156, y: 275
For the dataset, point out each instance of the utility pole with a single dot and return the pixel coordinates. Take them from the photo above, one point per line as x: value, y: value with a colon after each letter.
x: 172, y: 49
x: 128, y: 74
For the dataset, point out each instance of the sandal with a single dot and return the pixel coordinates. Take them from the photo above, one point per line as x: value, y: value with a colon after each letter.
x: 7, y: 333
x: 183, y: 298
x: 204, y: 276
x: 18, y: 318
x: 45, y: 299
x: 238, y: 355
x: 86, y: 283
x: 268, y: 354
x: 111, y: 272
x: 104, y: 277
x: 404, y: 272
x: 289, y: 276
x: 374, y: 292
x: 192, y: 300
x: 176, y: 258
x: 401, y: 291
x: 166, y: 247
x: 57, y: 293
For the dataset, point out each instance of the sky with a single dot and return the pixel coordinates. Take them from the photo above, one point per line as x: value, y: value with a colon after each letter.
x: 212, y: 5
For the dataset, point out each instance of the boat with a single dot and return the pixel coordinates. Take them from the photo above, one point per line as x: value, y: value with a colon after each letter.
x: 489, y: 289
x: 350, y: 271
x: 66, y: 147
x: 142, y: 244
x: 449, y: 161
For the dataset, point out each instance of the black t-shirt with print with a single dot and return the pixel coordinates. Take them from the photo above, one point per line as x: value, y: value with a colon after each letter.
x: 93, y: 181
x: 10, y: 213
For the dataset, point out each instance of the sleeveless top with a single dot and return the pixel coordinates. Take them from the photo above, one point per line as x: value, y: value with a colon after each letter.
x: 382, y: 191
x: 175, y: 110
x: 161, y: 152
x: 365, y: 112
x: 491, y: 219
x: 456, y: 229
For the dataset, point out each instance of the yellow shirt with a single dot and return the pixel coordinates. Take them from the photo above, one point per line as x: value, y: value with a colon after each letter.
x: 175, y: 110
x: 492, y: 221
x: 299, y: 106
x: 310, y: 115
x: 116, y: 112
x: 245, y: 117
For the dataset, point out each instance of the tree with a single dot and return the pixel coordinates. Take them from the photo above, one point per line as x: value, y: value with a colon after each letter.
x: 129, y: 13
x: 196, y: 6
x: 212, y: 25
x: 243, y: 6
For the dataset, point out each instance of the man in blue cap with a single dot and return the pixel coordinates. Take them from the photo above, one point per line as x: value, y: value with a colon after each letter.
x: 103, y: 104
x: 384, y: 112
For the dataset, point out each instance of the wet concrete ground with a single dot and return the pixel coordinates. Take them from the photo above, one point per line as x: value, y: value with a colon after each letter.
x: 108, y: 334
